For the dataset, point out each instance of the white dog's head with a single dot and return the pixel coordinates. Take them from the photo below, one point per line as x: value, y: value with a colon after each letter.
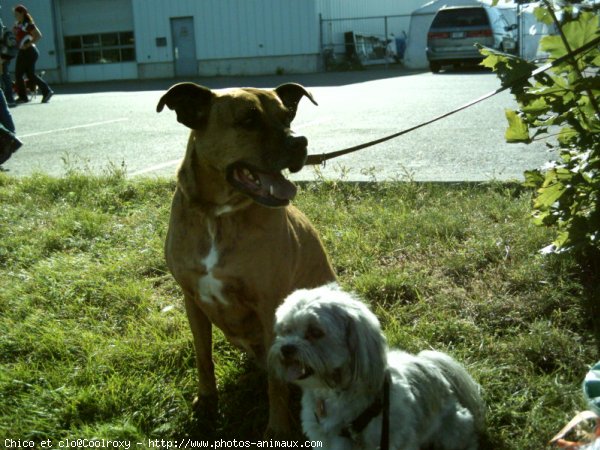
x: 325, y: 338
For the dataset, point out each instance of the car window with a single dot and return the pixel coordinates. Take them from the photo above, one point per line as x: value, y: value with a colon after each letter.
x: 467, y: 17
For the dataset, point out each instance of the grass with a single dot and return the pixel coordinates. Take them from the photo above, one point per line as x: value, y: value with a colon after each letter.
x: 94, y: 342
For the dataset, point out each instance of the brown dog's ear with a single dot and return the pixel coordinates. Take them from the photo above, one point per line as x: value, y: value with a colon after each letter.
x: 190, y: 101
x: 291, y: 94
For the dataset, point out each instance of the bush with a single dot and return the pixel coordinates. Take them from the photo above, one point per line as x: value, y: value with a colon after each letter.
x: 561, y: 106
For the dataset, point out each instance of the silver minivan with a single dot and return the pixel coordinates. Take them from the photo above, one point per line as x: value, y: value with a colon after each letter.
x: 455, y: 30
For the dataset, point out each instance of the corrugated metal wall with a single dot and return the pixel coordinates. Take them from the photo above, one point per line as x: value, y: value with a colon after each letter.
x: 335, y: 9
x: 95, y: 16
x: 229, y: 28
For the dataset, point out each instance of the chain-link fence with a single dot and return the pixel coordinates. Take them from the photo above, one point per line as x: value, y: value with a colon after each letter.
x: 363, y: 40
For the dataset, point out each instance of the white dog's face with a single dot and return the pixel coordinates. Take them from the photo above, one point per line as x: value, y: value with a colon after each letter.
x: 326, y: 339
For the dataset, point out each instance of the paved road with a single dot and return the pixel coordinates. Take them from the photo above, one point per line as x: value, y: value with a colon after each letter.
x: 94, y: 126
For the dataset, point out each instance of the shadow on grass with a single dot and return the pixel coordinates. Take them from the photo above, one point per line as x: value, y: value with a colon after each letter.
x: 590, y: 279
x: 243, y: 409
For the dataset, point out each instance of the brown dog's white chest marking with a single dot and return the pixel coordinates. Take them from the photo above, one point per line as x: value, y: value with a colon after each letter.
x: 209, y: 287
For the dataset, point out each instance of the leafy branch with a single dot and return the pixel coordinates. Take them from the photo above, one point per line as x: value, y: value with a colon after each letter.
x: 562, y: 107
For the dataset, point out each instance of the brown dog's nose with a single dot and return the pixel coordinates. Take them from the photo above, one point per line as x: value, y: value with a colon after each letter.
x: 296, y: 146
x: 297, y: 142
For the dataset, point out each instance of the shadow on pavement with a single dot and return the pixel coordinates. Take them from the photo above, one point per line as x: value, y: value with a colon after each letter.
x: 260, y: 81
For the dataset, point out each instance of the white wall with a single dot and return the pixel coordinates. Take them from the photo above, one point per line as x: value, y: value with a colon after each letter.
x: 228, y: 28
x: 99, y: 72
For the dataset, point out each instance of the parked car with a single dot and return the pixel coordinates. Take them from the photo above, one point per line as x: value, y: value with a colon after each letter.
x: 455, y: 31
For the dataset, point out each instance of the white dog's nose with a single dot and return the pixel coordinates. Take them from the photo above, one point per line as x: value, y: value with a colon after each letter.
x: 288, y: 350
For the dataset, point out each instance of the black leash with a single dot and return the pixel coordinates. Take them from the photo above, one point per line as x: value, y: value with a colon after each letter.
x: 380, y: 405
x: 323, y: 157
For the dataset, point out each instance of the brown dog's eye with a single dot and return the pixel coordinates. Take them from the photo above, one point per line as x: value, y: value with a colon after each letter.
x: 251, y: 119
x: 313, y: 333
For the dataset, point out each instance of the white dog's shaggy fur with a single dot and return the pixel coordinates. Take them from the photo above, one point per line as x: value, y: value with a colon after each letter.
x: 331, y: 345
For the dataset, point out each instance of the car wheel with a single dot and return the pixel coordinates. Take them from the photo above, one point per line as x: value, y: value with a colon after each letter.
x: 434, y: 67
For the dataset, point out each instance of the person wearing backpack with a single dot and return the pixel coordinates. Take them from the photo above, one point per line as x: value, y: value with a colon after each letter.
x: 9, y: 143
x: 27, y: 34
x: 8, y: 50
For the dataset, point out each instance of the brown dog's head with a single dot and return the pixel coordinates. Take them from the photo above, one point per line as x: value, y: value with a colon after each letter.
x: 244, y: 135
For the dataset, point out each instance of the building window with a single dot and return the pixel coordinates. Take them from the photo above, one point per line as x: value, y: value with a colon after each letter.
x: 104, y: 48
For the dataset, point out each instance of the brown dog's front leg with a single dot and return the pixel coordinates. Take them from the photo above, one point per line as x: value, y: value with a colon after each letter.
x: 206, y: 403
x: 281, y: 422
x: 280, y: 414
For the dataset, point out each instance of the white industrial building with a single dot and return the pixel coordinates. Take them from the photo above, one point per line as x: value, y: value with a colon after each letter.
x: 91, y: 40
x: 94, y: 40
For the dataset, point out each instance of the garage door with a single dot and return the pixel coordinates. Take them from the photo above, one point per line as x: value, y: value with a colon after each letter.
x: 81, y: 17
x: 98, y: 39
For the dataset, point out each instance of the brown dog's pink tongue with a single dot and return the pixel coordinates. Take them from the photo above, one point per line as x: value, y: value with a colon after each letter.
x: 278, y: 186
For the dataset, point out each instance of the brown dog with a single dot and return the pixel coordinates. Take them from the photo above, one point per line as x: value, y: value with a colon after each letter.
x: 234, y: 244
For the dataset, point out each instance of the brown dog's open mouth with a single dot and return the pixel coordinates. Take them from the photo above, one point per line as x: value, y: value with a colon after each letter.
x: 267, y: 188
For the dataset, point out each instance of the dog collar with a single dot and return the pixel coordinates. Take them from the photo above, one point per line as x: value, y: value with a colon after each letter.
x: 380, y: 405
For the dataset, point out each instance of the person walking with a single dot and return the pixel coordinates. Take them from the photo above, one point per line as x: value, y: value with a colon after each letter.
x: 27, y: 34
x: 9, y: 143
x: 8, y: 50
x: 6, y: 83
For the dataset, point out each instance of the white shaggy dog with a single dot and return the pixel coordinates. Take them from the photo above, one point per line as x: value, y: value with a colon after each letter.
x: 331, y: 345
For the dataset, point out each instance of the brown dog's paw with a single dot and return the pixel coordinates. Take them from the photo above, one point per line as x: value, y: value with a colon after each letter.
x: 284, y: 432
x: 205, y: 409
x: 277, y: 435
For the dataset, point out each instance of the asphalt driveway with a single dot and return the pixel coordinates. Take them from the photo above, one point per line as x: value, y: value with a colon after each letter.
x: 95, y: 126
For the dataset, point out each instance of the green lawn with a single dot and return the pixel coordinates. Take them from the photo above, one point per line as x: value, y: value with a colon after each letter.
x: 94, y: 342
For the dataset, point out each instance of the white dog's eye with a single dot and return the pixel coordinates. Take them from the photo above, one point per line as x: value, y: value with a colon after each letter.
x: 283, y: 330
x: 313, y: 333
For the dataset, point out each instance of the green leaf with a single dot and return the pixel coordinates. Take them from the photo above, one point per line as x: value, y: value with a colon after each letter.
x: 553, y: 45
x: 512, y: 70
x: 517, y: 129
x: 537, y: 107
x: 566, y: 135
x: 581, y: 31
x: 578, y: 33
x: 533, y: 178
x: 561, y: 241
x: 543, y: 15
x: 548, y: 195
